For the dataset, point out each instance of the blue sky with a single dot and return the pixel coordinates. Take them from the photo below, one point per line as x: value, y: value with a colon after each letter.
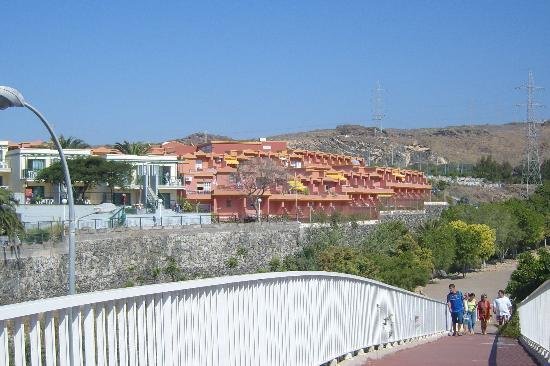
x: 146, y: 70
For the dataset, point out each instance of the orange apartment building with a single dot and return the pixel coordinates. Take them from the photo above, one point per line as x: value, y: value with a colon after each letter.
x: 317, y: 182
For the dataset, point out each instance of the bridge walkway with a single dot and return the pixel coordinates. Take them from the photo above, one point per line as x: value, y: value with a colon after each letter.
x: 467, y: 350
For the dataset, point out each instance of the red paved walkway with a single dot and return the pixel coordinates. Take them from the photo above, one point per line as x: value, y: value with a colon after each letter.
x: 468, y: 350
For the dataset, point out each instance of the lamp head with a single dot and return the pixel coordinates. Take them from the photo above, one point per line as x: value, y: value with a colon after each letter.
x: 10, y: 97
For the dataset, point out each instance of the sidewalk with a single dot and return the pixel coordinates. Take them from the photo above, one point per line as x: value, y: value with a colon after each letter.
x: 466, y: 350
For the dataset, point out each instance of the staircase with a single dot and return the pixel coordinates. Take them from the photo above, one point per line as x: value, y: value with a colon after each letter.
x: 152, y: 198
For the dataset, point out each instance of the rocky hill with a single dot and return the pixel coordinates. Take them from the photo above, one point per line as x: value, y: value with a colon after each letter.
x: 414, y: 147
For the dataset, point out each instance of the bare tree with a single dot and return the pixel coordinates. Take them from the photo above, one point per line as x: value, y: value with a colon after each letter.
x: 257, y: 175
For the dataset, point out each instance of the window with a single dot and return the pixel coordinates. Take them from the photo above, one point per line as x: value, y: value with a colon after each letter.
x: 228, y: 203
x: 296, y: 164
x: 36, y: 164
x: 198, y: 164
x: 204, y: 186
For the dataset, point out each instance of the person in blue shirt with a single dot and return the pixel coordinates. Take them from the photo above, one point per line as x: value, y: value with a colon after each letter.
x: 455, y: 303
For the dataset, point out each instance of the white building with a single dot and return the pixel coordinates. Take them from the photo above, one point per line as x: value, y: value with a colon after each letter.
x: 25, y: 163
x: 5, y: 169
x: 155, y: 177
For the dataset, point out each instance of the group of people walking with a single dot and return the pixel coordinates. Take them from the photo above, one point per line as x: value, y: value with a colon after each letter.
x: 465, y: 310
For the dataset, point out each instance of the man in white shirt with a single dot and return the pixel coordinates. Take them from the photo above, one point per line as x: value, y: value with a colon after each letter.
x: 502, y: 307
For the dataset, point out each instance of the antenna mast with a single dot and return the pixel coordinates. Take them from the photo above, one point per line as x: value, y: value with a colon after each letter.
x: 378, y: 106
x: 531, y: 164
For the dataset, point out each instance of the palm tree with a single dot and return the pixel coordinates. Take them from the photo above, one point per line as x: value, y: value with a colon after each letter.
x: 70, y: 143
x: 132, y: 148
x: 10, y: 225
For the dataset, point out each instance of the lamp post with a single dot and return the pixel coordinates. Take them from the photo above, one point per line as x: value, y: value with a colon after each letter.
x: 160, y: 210
x: 10, y: 97
x: 259, y: 210
x: 64, y: 202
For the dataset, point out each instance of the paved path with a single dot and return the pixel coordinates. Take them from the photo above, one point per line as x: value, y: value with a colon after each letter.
x: 460, y: 351
x: 488, y: 281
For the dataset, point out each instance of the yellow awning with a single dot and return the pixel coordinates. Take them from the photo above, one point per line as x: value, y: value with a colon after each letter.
x: 397, y: 173
x: 232, y: 160
x: 336, y: 176
x: 296, y: 185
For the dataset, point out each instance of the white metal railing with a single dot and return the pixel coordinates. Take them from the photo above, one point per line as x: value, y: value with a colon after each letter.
x: 534, y: 321
x: 294, y: 318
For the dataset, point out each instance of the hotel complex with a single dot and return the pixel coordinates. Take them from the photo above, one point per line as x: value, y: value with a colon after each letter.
x: 207, y: 175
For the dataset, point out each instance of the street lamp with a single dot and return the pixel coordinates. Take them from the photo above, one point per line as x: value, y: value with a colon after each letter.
x: 160, y: 210
x: 259, y: 210
x: 10, y: 97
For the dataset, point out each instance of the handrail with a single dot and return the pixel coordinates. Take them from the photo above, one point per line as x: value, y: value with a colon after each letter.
x: 533, y: 310
x: 298, y: 318
x: 50, y: 304
x: 539, y: 290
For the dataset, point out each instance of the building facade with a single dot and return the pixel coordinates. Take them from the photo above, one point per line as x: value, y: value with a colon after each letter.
x: 317, y: 182
x: 208, y: 176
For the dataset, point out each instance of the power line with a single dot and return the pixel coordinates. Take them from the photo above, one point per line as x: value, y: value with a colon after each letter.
x: 531, y: 165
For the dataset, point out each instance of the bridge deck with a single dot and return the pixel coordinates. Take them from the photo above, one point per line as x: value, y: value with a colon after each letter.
x: 466, y: 350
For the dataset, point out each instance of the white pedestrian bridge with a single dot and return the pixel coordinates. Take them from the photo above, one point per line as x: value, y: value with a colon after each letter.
x: 290, y: 318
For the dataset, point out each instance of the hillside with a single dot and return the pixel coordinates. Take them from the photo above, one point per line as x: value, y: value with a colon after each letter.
x: 407, y: 147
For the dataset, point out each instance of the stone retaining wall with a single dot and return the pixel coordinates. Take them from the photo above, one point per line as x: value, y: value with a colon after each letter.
x: 126, y: 257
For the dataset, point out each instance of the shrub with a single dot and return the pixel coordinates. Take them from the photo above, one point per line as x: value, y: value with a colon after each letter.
x: 242, y: 251
x: 348, y: 260
x: 274, y: 264
x: 232, y: 262
x: 532, y: 271
x: 511, y: 329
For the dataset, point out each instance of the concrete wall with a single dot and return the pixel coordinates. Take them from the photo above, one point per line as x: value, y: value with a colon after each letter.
x: 113, y: 259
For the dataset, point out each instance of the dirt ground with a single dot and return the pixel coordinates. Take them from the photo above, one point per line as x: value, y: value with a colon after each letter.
x: 488, y: 281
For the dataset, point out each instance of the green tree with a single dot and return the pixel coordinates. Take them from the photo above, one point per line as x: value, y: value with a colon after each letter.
x: 132, y: 148
x: 70, y: 143
x: 540, y: 202
x: 491, y: 170
x: 84, y: 174
x: 345, y: 259
x: 531, y: 223
x: 467, y: 246
x: 87, y: 173
x: 115, y: 174
x: 407, y: 269
x: 438, y: 237
x: 10, y: 225
x: 487, y: 237
x: 532, y: 271
x: 386, y: 237
x: 500, y: 217
x: 545, y: 170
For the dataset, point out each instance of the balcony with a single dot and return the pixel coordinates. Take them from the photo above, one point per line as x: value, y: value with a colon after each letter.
x: 4, y: 167
x: 167, y: 183
x: 30, y: 174
x: 199, y: 195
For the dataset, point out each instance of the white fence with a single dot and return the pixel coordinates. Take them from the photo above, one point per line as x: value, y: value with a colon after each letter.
x: 534, y: 321
x: 292, y: 318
